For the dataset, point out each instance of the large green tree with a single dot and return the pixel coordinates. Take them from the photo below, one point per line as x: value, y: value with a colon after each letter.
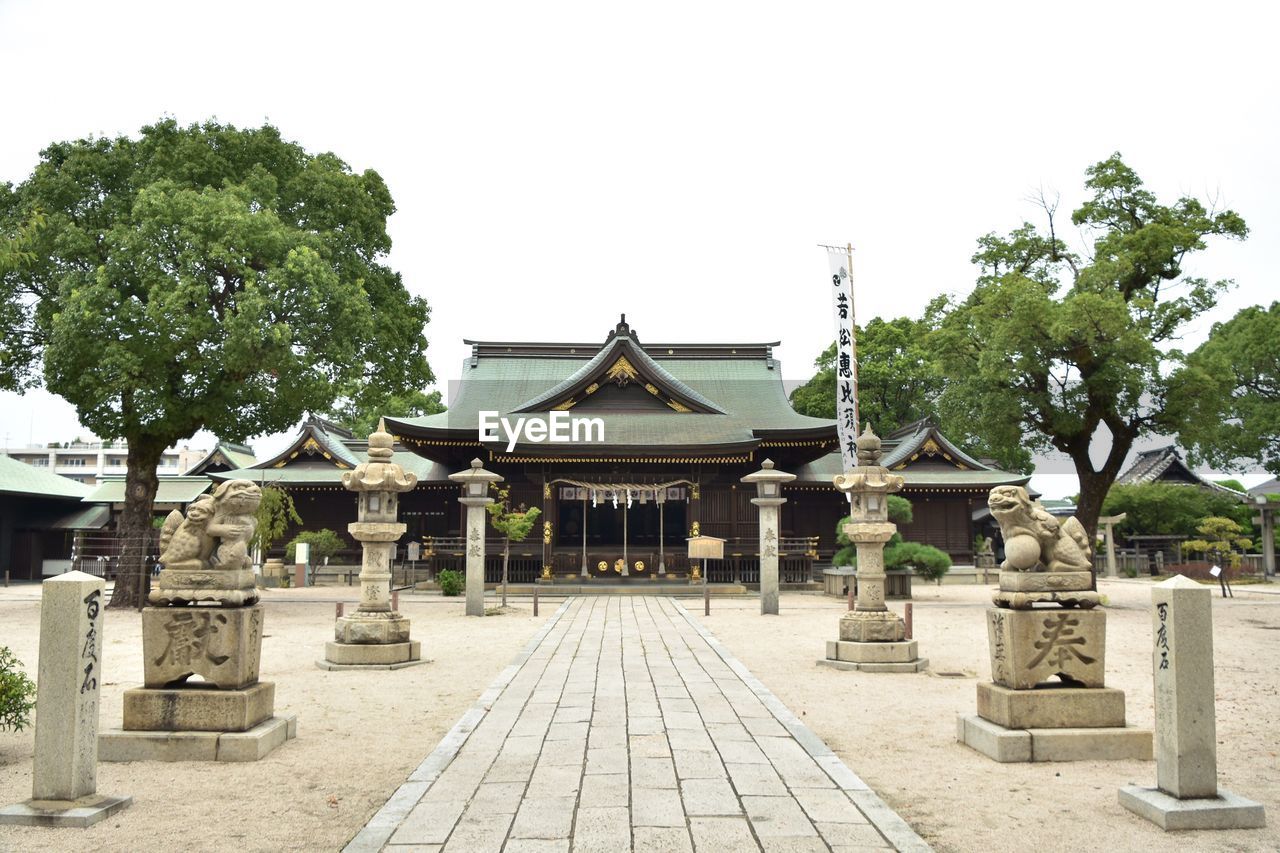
x: 1228, y: 394
x: 202, y: 277
x: 1054, y: 350
x: 897, y: 380
x: 361, y: 411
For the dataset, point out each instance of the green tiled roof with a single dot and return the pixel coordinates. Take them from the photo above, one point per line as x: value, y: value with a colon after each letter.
x: 19, y: 478
x: 94, y: 517
x: 617, y: 346
x: 748, y: 391
x: 238, y: 455
x: 328, y: 436
x: 823, y: 469
x: 172, y: 490
x: 426, y: 470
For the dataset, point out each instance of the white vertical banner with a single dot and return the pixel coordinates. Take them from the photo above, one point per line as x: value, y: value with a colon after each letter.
x: 841, y: 287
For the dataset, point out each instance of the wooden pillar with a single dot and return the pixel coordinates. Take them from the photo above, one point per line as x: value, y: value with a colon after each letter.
x: 547, y: 525
x: 695, y: 507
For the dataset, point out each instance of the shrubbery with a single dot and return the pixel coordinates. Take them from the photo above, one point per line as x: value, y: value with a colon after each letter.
x: 17, y: 693
x: 924, y: 560
x: 450, y: 582
x: 324, y: 543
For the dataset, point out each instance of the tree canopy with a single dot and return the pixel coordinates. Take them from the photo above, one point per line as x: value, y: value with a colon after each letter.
x: 514, y: 523
x: 202, y: 277
x: 1228, y: 394
x: 360, y: 412
x: 897, y: 380
x: 1053, y: 350
x: 1219, y: 538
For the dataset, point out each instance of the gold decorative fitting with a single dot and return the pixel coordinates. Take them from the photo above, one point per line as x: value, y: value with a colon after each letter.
x: 546, y: 571
x: 696, y: 492
x: 619, y: 565
x: 651, y: 388
x: 593, y: 387
x: 602, y: 566
x: 622, y: 372
x: 678, y: 406
x: 639, y: 565
x: 565, y: 406
x: 696, y: 530
x: 931, y: 447
x: 546, y: 533
x: 546, y: 490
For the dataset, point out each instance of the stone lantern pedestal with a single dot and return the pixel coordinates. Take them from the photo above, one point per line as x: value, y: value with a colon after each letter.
x: 872, y: 637
x: 375, y: 636
x: 475, y: 482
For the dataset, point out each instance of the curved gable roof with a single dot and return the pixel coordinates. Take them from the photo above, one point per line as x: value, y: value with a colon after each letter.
x: 621, y: 360
x: 318, y: 436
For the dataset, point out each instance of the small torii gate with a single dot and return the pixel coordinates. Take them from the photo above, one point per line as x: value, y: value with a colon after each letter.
x: 1266, y: 520
x: 1109, y: 521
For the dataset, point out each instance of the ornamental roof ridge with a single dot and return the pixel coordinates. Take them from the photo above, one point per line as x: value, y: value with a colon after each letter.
x: 315, y: 434
x: 622, y: 345
x: 926, y: 436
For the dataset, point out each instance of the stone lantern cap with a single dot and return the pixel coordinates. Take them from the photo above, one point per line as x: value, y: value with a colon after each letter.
x: 475, y: 474
x: 870, y: 477
x: 379, y: 473
x: 868, y: 445
x: 767, y: 474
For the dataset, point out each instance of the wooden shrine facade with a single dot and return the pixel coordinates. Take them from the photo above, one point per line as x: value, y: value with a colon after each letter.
x: 682, y: 424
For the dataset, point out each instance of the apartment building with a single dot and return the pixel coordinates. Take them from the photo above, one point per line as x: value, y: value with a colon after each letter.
x: 88, y: 461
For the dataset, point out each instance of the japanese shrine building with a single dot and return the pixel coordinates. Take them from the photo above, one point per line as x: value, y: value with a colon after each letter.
x: 672, y: 429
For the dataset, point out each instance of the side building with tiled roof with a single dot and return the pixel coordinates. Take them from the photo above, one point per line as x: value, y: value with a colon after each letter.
x: 37, y: 508
x: 1166, y: 465
x: 310, y: 469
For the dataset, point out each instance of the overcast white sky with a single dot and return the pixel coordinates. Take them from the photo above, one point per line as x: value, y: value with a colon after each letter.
x: 557, y: 164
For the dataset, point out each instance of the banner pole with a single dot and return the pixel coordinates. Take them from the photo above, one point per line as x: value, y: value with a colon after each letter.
x: 853, y: 339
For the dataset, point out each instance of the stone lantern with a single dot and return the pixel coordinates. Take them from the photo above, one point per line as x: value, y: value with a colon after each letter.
x: 375, y: 635
x: 768, y: 484
x: 872, y: 637
x: 475, y: 483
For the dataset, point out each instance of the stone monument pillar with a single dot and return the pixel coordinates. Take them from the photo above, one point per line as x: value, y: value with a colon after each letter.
x: 1046, y: 626
x: 205, y: 621
x: 375, y: 636
x: 65, y: 778
x: 768, y: 483
x: 872, y: 637
x: 1186, y: 795
x: 475, y: 497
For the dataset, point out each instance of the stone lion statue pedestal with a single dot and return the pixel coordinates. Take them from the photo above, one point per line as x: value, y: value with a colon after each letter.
x: 205, y: 623
x: 1047, y: 700
x: 375, y: 636
x: 872, y: 637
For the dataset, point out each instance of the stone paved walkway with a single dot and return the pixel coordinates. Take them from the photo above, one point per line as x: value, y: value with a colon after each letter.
x: 625, y: 726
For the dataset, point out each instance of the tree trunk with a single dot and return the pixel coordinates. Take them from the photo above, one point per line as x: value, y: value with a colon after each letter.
x: 134, y: 529
x: 1094, y: 486
x: 506, y: 554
